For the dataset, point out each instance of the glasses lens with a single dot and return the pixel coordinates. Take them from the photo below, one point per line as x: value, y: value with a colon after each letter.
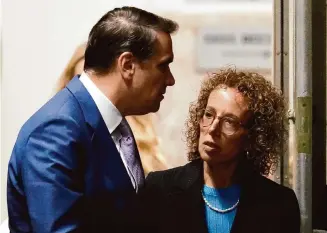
x: 207, y: 118
x: 226, y: 125
x: 229, y: 125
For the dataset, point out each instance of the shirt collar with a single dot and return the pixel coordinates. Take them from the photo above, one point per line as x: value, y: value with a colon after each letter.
x: 110, y: 114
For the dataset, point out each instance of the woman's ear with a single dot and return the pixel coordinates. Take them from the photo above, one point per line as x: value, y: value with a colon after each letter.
x: 246, y: 145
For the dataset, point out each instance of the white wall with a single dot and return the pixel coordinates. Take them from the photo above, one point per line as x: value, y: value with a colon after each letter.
x: 39, y: 36
x: 2, y: 174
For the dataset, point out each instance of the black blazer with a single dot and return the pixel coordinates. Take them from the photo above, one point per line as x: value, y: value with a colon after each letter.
x: 172, y: 202
x: 320, y: 218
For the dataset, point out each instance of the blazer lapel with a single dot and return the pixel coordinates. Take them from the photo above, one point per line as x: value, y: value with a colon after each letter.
x: 105, y: 167
x: 240, y: 221
x: 108, y: 160
x: 245, y: 213
x: 188, y: 192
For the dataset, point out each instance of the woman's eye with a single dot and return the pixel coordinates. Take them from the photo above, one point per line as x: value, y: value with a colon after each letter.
x: 208, y: 114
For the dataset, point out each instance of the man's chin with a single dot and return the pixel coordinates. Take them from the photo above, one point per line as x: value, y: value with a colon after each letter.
x: 155, y: 108
x: 155, y: 105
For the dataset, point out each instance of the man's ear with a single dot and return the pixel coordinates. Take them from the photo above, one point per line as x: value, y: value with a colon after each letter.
x: 126, y: 65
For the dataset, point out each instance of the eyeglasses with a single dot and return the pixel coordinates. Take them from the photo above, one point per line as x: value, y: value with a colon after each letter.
x: 226, y: 124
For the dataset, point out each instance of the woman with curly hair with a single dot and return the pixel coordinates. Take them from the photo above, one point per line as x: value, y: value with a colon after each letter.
x: 234, y: 135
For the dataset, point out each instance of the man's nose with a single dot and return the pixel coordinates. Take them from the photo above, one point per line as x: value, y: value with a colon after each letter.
x: 170, y: 79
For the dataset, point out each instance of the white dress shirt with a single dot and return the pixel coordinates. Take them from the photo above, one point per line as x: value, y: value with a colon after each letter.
x: 4, y: 226
x: 109, y: 113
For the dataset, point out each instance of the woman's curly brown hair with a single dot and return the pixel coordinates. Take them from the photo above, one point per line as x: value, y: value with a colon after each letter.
x: 267, y: 106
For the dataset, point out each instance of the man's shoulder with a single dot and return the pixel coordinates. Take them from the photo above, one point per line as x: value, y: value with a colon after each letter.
x: 55, y: 124
x: 63, y: 106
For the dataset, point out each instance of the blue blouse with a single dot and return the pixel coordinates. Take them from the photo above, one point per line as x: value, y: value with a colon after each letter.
x: 221, y: 198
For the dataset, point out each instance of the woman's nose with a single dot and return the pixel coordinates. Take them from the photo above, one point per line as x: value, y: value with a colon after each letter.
x: 214, y: 126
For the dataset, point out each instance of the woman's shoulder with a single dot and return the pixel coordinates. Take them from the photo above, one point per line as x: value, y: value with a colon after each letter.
x: 272, y: 189
x: 174, y: 175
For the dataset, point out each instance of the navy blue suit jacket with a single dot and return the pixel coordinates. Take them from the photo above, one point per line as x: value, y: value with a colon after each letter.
x: 65, y: 173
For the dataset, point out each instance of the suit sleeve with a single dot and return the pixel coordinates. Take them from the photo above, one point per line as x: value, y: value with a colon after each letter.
x: 52, y: 177
x: 292, y: 218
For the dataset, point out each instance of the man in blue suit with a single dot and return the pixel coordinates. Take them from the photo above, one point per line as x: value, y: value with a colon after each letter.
x: 75, y: 165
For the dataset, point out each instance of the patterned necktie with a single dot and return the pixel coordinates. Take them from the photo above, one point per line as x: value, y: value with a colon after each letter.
x: 130, y: 153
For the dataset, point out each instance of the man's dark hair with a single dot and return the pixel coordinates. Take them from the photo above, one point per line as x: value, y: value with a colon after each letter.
x: 126, y: 29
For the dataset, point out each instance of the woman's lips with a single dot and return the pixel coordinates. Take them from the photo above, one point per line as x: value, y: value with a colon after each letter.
x: 211, y: 146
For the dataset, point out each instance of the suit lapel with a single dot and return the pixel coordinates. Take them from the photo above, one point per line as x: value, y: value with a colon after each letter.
x: 114, y: 174
x: 240, y: 221
x: 196, y: 210
x: 188, y: 192
x: 105, y: 167
x: 246, y: 212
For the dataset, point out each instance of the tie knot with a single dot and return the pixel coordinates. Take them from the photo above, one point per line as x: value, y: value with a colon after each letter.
x: 124, y: 128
